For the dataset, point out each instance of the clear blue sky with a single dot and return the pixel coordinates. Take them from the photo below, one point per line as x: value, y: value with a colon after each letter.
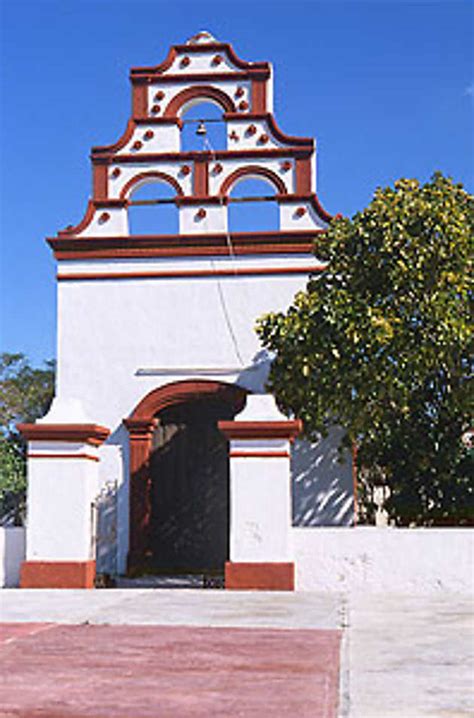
x: 387, y: 86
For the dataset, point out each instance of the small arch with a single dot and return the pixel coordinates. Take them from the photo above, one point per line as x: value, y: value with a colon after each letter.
x: 255, y: 172
x: 215, y: 125
x: 202, y: 92
x: 144, y: 177
x: 152, y: 209
x: 253, y: 214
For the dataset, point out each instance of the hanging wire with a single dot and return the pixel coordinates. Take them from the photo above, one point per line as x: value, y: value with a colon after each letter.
x: 225, y: 310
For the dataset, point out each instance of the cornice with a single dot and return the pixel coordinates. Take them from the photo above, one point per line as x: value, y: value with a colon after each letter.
x: 92, y: 434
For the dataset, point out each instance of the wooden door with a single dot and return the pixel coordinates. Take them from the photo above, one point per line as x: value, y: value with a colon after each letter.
x: 189, y: 528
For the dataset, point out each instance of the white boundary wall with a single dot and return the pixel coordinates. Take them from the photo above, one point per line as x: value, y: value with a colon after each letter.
x: 345, y: 560
x: 384, y: 560
x: 12, y: 553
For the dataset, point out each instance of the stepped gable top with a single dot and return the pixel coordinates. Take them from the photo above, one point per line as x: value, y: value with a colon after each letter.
x: 201, y: 70
x: 180, y: 60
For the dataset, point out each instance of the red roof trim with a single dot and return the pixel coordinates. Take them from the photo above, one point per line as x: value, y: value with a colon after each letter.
x: 92, y: 252
x: 188, y: 77
x: 168, y: 240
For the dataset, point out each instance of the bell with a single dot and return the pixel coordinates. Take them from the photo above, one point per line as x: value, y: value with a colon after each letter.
x: 201, y: 128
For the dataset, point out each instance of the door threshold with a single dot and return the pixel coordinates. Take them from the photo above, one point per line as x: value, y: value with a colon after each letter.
x: 179, y: 581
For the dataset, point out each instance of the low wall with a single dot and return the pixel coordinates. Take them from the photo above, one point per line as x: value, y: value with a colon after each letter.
x: 12, y: 553
x: 379, y: 560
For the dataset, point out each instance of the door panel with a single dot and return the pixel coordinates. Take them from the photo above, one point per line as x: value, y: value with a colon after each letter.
x: 189, y: 465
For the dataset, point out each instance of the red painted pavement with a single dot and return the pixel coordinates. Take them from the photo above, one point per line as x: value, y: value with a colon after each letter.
x: 58, y: 671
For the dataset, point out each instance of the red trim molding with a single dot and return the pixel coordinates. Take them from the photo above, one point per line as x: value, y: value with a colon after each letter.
x: 140, y: 100
x: 140, y: 425
x: 91, y: 434
x: 121, y: 142
x: 192, y: 251
x: 63, y: 456
x: 259, y: 96
x: 180, y: 392
x: 191, y: 274
x: 260, y: 576
x: 57, y: 574
x: 138, y: 73
x: 200, y: 179
x: 253, y: 170
x: 150, y: 176
x: 100, y: 181
x: 147, y: 157
x: 277, y: 242
x: 85, y: 222
x: 189, y: 77
x: 261, y: 429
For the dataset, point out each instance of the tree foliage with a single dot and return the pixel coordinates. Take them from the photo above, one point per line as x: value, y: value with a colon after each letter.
x: 381, y: 343
x: 25, y: 395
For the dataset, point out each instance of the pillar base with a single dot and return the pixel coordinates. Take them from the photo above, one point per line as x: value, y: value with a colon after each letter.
x: 260, y: 576
x: 57, y: 574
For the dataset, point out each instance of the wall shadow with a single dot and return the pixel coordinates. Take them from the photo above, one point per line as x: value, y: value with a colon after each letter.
x: 322, y: 486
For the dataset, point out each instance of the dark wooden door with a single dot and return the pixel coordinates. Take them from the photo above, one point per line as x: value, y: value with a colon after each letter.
x: 189, y: 529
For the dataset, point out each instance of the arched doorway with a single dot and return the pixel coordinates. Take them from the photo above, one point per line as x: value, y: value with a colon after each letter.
x: 179, y: 480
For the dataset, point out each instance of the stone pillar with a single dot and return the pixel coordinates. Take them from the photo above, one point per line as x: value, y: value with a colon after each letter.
x: 63, y: 482
x: 261, y: 555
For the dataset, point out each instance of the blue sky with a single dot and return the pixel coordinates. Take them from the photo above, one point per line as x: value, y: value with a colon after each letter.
x: 386, y: 88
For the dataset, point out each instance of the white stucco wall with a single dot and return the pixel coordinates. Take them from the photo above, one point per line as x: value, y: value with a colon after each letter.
x: 384, y: 560
x: 61, y: 491
x: 12, y: 553
x: 109, y: 331
x: 123, y: 336
x: 322, y: 483
x: 167, y: 323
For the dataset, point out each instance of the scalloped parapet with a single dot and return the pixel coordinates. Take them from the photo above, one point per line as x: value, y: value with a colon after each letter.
x: 201, y: 70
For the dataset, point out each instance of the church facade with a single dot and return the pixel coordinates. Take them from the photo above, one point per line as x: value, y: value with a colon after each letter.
x: 160, y: 392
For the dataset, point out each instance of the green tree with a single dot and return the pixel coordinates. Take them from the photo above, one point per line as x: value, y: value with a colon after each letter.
x: 25, y: 395
x: 381, y: 343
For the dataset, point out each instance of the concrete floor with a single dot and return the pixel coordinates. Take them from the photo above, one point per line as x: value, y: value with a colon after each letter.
x: 401, y: 656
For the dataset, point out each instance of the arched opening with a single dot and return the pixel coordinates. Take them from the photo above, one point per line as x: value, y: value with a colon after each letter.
x: 189, y: 470
x: 179, y: 484
x: 152, y: 209
x: 204, y: 128
x: 253, y: 206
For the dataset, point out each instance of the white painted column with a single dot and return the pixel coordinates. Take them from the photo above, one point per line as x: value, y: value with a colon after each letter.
x: 261, y: 554
x: 63, y: 481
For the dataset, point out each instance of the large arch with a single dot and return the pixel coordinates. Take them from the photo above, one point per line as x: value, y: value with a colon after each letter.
x: 204, y: 92
x: 141, y: 424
